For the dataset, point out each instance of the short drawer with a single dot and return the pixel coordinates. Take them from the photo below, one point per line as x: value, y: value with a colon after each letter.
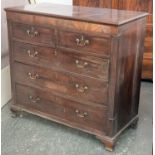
x: 85, y: 43
x: 70, y: 61
x: 32, y: 54
x: 33, y: 34
x: 58, y: 107
x: 79, y: 87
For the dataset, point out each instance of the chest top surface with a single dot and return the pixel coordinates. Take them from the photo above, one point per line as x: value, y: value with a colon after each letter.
x: 89, y: 14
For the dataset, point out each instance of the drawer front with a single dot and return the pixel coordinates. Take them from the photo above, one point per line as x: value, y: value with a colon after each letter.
x: 84, y: 64
x: 31, y: 54
x: 84, y: 43
x: 70, y: 61
x: 79, y: 87
x: 74, y: 112
x: 34, y: 34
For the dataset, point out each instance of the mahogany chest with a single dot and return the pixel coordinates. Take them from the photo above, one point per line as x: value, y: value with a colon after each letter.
x: 78, y: 66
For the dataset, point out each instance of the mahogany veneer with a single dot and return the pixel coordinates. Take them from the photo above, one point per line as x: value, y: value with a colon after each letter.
x: 77, y: 66
x: 134, y: 5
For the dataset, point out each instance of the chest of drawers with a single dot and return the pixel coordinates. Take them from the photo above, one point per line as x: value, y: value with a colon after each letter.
x: 77, y: 66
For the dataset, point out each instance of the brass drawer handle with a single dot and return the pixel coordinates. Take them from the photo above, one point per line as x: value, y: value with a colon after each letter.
x: 77, y: 62
x: 81, y: 115
x: 81, y: 89
x: 32, y: 33
x: 34, y: 99
x: 33, y: 76
x: 32, y: 55
x: 82, y: 42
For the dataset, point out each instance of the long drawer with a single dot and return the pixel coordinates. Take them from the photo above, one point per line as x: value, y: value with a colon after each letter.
x: 62, y: 59
x: 83, y: 115
x: 34, y: 34
x: 79, y: 87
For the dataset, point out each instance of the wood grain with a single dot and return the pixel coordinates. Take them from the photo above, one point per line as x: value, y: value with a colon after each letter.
x: 63, y: 83
x: 76, y: 69
x: 134, y: 5
x: 46, y: 102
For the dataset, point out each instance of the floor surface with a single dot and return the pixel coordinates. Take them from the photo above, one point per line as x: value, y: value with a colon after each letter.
x: 33, y: 135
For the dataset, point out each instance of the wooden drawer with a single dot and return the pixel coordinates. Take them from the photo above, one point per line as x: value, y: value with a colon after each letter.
x: 62, y: 59
x: 84, y: 64
x: 37, y: 55
x: 84, y: 42
x: 79, y: 87
x: 58, y: 107
x: 34, y: 34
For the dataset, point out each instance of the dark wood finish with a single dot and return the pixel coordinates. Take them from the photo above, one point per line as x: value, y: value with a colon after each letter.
x: 94, y: 3
x: 88, y: 3
x: 81, y: 87
x: 57, y: 106
x: 93, y: 15
x: 77, y: 69
x: 147, y: 67
x: 84, y: 42
x: 34, y: 34
x: 143, y: 5
x: 134, y: 5
x: 70, y: 61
